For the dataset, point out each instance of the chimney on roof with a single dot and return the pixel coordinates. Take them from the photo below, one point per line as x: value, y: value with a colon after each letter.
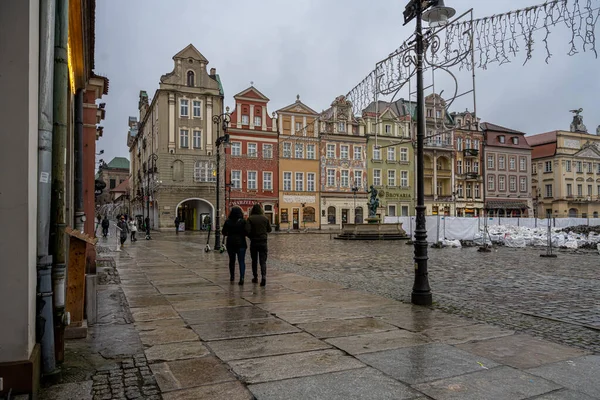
x: 213, y: 71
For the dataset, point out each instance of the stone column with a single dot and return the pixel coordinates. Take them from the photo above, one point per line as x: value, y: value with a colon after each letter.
x: 264, y: 118
x: 172, y: 118
x: 293, y: 127
x: 251, y: 122
x: 209, y: 124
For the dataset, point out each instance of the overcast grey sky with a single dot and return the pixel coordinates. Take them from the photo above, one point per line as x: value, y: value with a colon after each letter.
x: 319, y: 49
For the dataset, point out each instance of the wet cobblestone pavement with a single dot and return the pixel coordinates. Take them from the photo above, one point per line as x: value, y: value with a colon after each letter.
x: 554, y: 298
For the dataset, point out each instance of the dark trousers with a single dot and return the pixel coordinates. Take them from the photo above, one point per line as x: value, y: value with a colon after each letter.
x: 123, y: 238
x: 104, y: 231
x: 133, y: 239
x: 258, y: 252
x: 177, y: 229
x: 241, y: 256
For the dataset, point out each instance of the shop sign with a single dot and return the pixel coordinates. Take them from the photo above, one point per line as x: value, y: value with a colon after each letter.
x: 242, y: 202
x: 394, y: 195
x: 298, y: 199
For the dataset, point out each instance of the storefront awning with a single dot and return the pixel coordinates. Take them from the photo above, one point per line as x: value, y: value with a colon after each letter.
x: 506, y: 205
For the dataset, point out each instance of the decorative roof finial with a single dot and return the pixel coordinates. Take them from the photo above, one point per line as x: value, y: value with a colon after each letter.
x: 577, y: 124
x: 251, y: 83
x: 297, y: 97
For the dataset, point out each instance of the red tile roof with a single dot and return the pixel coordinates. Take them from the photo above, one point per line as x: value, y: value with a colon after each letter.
x: 543, y: 150
x: 541, y: 138
x: 123, y: 187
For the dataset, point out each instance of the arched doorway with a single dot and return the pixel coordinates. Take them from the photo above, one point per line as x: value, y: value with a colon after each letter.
x: 331, y: 215
x: 192, y: 213
x: 573, y: 212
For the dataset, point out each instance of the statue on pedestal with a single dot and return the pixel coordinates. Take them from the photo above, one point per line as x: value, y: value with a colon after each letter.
x: 577, y: 124
x: 373, y: 202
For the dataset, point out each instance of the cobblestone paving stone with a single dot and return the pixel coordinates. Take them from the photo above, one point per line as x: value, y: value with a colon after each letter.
x: 128, y: 379
x: 557, y: 299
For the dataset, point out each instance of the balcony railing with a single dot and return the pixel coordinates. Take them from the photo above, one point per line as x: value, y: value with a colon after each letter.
x: 446, y: 144
x: 471, y: 152
x: 472, y: 175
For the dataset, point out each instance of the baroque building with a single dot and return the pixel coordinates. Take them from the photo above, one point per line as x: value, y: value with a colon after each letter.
x: 507, y: 163
x: 343, y: 166
x: 565, y: 173
x: 252, y: 154
x: 468, y: 177
x: 299, y: 167
x: 175, y: 169
x: 390, y: 157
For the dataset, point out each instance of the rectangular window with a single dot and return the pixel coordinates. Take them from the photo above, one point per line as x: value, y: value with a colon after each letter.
x: 376, y: 153
x: 341, y: 127
x: 331, y: 177
x: 512, y: 163
x: 197, y: 139
x: 113, y: 183
x: 438, y: 113
x: 252, y: 180
x: 501, y: 164
x: 459, y: 144
x: 589, y: 192
x: 548, y: 166
x: 358, y: 179
x: 284, y: 215
x: 404, y: 178
x: 459, y: 191
x: 358, y: 152
x: 388, y: 129
x: 579, y: 190
x: 598, y: 169
x: 469, y: 191
x: 184, y: 138
x: 376, y: 177
x: 568, y: 166
x: 405, y: 211
x: 236, y: 179
x: 548, y: 190
x: 578, y: 166
x: 534, y: 168
x: 267, y: 151
x: 523, y: 164
x: 197, y: 109
x: 310, y: 181
x: 299, y: 181
x: 491, y: 183
x: 310, y: 151
x: 245, y: 120
x: 298, y: 126
x: 330, y: 150
x: 184, y: 108
x: 287, y: 181
x: 477, y: 195
x: 491, y: 161
x: 569, y: 189
x: 476, y: 167
x: 391, y: 154
x: 476, y: 144
x: 403, y: 154
x: 391, y: 178
x: 252, y: 150
x: 257, y: 121
x: 267, y: 180
x: 344, y: 151
x: 299, y: 150
x: 501, y: 183
x: 391, y: 210
x: 236, y: 148
x: 589, y: 168
x: 345, y: 178
x: 287, y: 150
x: 523, y: 184
x: 512, y: 184
x: 467, y: 143
x: 459, y: 169
x: 204, y: 171
x: 467, y: 166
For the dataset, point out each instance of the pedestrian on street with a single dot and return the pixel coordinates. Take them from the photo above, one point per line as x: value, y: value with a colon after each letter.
x: 133, y: 230
x: 260, y: 227
x: 177, y: 221
x: 122, y: 225
x: 147, y: 226
x: 236, y: 228
x: 105, y: 226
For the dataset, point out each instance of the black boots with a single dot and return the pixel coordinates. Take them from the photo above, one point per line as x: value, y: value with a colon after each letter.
x: 255, y: 279
x: 263, y: 282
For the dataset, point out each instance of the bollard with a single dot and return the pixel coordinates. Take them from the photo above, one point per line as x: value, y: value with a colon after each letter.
x: 549, y: 243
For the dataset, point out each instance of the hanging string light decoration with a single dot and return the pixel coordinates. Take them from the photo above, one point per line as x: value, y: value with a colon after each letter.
x: 498, y: 39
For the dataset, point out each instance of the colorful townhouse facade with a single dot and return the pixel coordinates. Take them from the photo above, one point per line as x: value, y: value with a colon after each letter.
x: 251, y: 158
x: 390, y: 157
x: 299, y: 167
x: 343, y: 166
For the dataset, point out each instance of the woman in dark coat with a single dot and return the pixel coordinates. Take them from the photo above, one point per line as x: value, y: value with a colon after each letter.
x: 236, y: 229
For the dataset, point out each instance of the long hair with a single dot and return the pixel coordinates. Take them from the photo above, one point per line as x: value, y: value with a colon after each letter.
x: 235, y: 213
x: 256, y: 210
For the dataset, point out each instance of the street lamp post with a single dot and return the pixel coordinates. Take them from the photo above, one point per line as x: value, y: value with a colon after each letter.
x: 354, y: 190
x: 150, y: 168
x: 436, y: 16
x: 221, y: 121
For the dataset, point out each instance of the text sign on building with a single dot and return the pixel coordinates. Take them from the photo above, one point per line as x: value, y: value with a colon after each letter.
x: 298, y: 199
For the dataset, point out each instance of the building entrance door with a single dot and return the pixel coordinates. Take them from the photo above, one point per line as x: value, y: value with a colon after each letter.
x: 296, y: 216
x: 345, y: 215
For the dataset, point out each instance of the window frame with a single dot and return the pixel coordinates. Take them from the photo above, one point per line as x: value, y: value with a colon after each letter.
x: 199, y: 137
x: 267, y: 151
x: 330, y: 150
x: 236, y: 146
x: 233, y: 180
x: 197, y: 106
x: 311, y: 179
x: 183, y: 136
x: 301, y: 175
x: 378, y: 170
x: 253, y: 154
x: 330, y: 177
x: 267, y: 180
x: 184, y: 105
x: 287, y: 183
x: 345, y: 178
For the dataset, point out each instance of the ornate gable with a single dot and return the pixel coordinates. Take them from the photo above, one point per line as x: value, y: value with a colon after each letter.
x: 190, y: 52
x: 589, y: 150
x: 189, y: 70
x: 298, y: 107
x: 252, y: 93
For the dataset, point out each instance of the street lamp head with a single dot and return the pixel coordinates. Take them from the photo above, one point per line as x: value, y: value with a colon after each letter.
x: 439, y: 15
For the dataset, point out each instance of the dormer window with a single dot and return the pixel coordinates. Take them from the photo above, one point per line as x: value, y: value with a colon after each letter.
x: 245, y: 120
x: 190, y: 78
x: 341, y: 127
x: 501, y: 139
x: 515, y: 140
x: 438, y: 114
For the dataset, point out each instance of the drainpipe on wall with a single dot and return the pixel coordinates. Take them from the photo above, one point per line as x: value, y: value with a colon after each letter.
x: 59, y: 149
x: 44, y: 323
x: 78, y: 149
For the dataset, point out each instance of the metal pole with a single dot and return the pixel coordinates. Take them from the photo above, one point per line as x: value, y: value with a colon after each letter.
x: 78, y: 150
x: 45, y: 322
x: 218, y: 217
x: 59, y: 154
x: 421, y: 292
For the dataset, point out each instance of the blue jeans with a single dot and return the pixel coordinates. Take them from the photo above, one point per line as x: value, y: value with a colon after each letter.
x: 241, y: 256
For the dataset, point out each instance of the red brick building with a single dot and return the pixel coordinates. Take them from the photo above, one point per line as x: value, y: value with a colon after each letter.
x: 251, y: 159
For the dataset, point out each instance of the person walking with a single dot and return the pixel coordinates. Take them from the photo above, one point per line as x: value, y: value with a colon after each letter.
x: 122, y: 226
x: 236, y: 228
x: 177, y: 222
x: 133, y: 230
x: 260, y: 227
x: 105, y: 226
